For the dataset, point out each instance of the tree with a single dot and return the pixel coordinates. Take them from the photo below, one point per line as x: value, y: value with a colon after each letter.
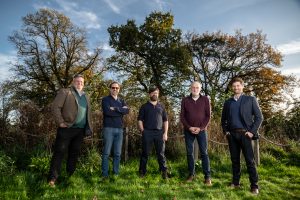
x: 268, y: 85
x: 151, y: 54
x: 51, y: 49
x: 218, y: 57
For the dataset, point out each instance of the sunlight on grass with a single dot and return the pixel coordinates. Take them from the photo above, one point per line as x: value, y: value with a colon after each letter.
x: 275, y: 178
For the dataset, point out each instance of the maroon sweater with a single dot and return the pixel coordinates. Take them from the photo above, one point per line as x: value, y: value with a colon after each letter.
x: 195, y: 113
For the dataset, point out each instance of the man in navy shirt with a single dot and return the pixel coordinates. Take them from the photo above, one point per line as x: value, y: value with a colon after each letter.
x: 114, y: 109
x: 153, y: 123
x: 241, y: 119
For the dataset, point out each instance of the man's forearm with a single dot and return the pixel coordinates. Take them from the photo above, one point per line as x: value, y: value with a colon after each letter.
x: 166, y: 127
x: 141, y: 126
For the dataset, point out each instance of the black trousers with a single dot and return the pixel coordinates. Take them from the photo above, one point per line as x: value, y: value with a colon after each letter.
x: 149, y: 137
x: 238, y: 141
x: 67, y: 140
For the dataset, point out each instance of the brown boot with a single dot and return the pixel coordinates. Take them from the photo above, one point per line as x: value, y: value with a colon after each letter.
x: 52, y: 183
x: 207, y: 182
x: 190, y: 178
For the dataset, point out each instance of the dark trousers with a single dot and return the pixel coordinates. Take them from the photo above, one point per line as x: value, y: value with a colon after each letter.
x: 149, y: 137
x: 67, y: 140
x: 202, y: 142
x: 238, y: 141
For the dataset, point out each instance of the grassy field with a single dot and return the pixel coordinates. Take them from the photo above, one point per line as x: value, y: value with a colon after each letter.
x: 279, y: 174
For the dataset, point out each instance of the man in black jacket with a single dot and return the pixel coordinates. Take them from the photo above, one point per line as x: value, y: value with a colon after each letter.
x: 241, y: 119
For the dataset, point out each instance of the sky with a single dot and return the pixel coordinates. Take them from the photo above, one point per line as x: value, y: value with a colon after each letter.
x: 278, y: 19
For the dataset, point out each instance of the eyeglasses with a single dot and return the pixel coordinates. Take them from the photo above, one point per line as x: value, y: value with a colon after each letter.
x: 115, y: 88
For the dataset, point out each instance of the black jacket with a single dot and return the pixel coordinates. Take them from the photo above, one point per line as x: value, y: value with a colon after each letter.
x: 250, y: 114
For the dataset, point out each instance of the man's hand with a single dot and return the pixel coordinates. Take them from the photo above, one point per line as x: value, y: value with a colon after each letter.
x: 249, y: 135
x: 194, y: 130
x: 63, y: 125
x: 111, y: 108
x: 197, y: 130
x: 124, y: 107
x: 165, y: 137
x: 227, y: 134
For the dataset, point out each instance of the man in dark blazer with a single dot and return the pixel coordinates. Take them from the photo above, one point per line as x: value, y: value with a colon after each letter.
x: 241, y: 119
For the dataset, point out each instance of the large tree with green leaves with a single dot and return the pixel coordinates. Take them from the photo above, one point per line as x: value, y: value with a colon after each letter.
x: 218, y: 57
x: 151, y: 54
x: 51, y: 49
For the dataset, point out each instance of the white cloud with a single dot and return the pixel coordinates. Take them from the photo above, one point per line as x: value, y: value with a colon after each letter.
x: 113, y: 6
x: 78, y: 15
x: 106, y: 47
x: 288, y: 71
x: 293, y: 47
x: 6, y: 61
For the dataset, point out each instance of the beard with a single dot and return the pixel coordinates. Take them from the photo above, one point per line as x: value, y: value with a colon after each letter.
x: 154, y: 98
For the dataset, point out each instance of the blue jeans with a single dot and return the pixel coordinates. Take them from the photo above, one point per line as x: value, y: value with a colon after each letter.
x: 112, y: 137
x: 189, y: 143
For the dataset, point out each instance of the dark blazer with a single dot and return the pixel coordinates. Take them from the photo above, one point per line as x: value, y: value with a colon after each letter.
x: 250, y: 114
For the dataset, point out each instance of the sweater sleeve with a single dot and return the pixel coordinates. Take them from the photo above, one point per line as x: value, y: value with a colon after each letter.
x: 207, y: 114
x: 122, y: 110
x: 107, y: 111
x: 182, y: 115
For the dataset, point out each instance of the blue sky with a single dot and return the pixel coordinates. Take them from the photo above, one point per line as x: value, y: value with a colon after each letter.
x: 278, y: 19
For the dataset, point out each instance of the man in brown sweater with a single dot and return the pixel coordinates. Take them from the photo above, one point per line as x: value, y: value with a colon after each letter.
x: 71, y: 110
x: 195, y: 116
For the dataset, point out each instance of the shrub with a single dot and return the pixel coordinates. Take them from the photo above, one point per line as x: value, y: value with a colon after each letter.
x: 40, y: 164
x: 7, y: 164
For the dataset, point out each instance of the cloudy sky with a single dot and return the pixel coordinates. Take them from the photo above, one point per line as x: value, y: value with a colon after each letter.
x: 278, y: 19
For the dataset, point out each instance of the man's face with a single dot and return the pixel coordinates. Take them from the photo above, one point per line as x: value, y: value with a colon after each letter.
x: 78, y: 83
x: 114, y: 89
x: 195, y: 89
x: 154, y: 95
x: 237, y: 88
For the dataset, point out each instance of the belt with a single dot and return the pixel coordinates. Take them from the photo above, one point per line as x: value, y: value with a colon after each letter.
x: 239, y: 130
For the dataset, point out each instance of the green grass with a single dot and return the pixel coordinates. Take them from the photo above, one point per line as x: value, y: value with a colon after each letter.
x: 279, y: 179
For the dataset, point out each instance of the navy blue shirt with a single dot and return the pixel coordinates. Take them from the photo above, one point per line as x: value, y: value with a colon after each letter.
x: 152, y: 116
x: 113, y: 118
x: 235, y: 116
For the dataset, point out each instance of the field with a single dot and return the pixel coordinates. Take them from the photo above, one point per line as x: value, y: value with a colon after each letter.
x: 279, y: 175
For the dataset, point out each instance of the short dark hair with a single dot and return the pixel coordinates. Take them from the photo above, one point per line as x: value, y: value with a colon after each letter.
x: 236, y: 79
x: 152, y: 89
x: 78, y: 76
x: 114, y: 82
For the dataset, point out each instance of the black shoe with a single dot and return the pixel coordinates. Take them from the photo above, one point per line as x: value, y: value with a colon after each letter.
x: 105, y: 179
x: 164, y: 175
x: 142, y: 175
x: 254, y: 191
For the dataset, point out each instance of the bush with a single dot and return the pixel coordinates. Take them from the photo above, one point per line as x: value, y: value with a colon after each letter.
x: 40, y: 164
x: 7, y: 164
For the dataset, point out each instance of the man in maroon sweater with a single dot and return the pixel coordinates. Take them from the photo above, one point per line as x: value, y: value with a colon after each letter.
x: 195, y: 116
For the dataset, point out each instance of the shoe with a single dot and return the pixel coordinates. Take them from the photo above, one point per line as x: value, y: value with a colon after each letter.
x: 52, y: 183
x: 234, y: 186
x: 164, y: 175
x: 190, y: 178
x: 207, y: 182
x: 142, y: 175
x: 254, y: 191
